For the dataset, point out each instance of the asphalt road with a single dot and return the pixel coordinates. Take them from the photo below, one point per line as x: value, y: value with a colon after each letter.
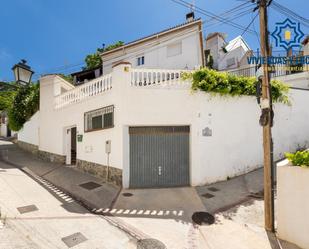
x: 33, y: 217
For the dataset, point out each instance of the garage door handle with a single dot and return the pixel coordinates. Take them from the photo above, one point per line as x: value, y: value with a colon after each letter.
x: 160, y: 170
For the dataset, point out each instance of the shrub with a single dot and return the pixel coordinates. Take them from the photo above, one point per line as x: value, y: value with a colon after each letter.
x: 223, y: 83
x: 25, y: 104
x: 300, y: 158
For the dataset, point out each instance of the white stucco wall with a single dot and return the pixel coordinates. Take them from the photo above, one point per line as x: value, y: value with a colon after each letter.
x: 235, y: 146
x: 293, y: 205
x: 3, y: 129
x: 155, y: 52
x: 30, y: 131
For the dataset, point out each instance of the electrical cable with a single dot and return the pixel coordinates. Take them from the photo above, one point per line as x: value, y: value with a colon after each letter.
x: 209, y: 14
x: 253, y: 19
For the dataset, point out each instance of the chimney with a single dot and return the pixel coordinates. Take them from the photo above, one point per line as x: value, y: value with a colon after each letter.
x: 190, y: 17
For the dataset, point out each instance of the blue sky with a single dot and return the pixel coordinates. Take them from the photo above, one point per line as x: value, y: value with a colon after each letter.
x: 55, y: 35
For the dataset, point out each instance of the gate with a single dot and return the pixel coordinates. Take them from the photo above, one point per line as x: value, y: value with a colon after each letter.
x: 159, y: 156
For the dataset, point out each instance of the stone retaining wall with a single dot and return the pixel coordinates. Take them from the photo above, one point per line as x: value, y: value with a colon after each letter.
x: 28, y: 147
x: 51, y: 157
x: 99, y: 170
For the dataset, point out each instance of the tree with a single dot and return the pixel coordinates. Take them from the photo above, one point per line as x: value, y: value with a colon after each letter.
x: 94, y: 60
x: 6, y: 99
x: 25, y: 104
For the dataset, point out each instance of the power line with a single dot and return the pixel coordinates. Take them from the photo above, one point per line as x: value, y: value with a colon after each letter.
x: 287, y: 12
x: 232, y: 18
x: 252, y: 21
x: 212, y: 15
x: 275, y: 3
x: 234, y: 11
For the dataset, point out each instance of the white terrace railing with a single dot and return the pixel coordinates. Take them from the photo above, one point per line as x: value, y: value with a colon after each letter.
x: 89, y: 89
x: 157, y: 77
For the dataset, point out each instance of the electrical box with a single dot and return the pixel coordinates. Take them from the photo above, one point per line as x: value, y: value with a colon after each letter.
x: 79, y: 138
x: 108, y: 146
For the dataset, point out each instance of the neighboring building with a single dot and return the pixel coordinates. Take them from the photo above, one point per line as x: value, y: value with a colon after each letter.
x: 180, y: 47
x: 215, y: 43
x: 86, y: 75
x: 305, y: 47
x: 227, y: 55
x: 4, y: 127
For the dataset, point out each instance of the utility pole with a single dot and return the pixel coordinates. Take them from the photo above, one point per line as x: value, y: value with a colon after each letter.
x: 266, y: 121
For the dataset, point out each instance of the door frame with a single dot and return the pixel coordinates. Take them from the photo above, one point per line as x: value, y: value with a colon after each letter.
x: 67, y: 143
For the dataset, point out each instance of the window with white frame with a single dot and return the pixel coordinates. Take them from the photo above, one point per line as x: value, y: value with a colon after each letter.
x: 99, y: 119
x: 140, y: 60
x: 174, y: 49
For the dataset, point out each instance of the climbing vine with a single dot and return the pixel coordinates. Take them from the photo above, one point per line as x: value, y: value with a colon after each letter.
x: 222, y: 83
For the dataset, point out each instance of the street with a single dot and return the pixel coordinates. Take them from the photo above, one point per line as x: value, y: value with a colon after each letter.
x: 51, y: 219
x: 35, y: 213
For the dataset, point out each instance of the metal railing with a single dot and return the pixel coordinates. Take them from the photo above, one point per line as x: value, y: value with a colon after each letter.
x: 89, y: 89
x: 275, y: 70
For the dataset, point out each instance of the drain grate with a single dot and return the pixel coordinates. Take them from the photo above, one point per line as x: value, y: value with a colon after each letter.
x: 74, y: 239
x: 207, y: 195
x: 150, y: 244
x: 27, y: 209
x: 90, y: 185
x: 203, y: 218
x: 127, y: 194
x: 213, y: 189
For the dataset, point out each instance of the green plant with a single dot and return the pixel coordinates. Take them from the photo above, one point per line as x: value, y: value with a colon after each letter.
x: 223, y: 83
x: 94, y: 60
x: 6, y: 100
x: 24, y: 105
x: 300, y: 158
x: 68, y: 78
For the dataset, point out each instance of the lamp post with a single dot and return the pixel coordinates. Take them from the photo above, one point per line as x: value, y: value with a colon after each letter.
x: 22, y: 73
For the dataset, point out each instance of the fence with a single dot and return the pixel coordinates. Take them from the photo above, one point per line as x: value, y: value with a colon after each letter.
x: 89, y: 89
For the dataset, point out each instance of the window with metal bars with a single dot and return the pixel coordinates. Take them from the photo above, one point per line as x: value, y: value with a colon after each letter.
x: 99, y: 119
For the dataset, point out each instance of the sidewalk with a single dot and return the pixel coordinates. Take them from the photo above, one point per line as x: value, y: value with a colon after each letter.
x: 224, y: 195
x: 165, y: 214
x: 67, y: 178
x: 34, y: 218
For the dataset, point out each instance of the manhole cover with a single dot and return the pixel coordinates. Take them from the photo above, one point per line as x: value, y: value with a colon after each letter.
x: 127, y: 194
x: 74, y: 239
x: 90, y: 185
x: 207, y: 195
x: 213, y: 189
x: 27, y: 209
x: 203, y: 218
x: 150, y: 244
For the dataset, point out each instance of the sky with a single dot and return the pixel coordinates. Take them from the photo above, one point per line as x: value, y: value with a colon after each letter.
x: 54, y: 36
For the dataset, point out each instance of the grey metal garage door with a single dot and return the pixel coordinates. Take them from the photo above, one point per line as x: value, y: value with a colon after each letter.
x: 159, y: 156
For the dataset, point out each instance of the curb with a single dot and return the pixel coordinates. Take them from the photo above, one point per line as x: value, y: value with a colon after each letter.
x: 49, y: 186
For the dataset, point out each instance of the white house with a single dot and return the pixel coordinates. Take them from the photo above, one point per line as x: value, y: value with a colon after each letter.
x: 141, y: 123
x: 180, y: 47
x: 227, y: 55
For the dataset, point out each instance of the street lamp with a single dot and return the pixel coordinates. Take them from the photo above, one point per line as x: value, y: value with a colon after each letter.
x: 22, y: 73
